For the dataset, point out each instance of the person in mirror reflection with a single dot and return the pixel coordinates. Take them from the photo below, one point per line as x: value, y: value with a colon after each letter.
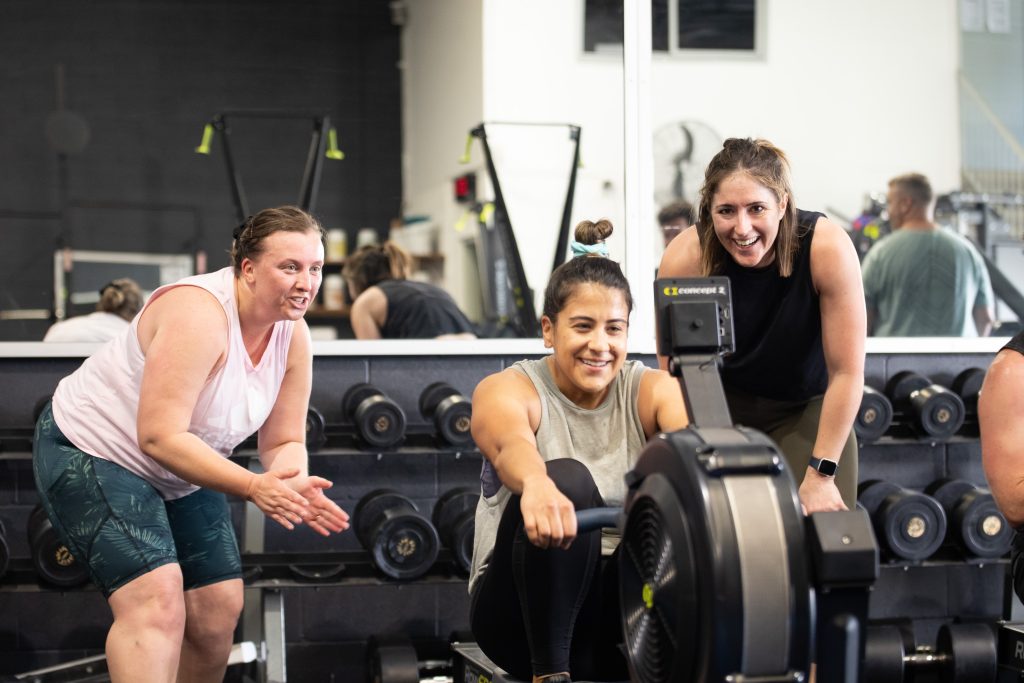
x: 386, y: 304
x: 559, y: 435
x: 1001, y: 425
x: 798, y: 310
x: 131, y: 456
x: 674, y: 218
x: 923, y: 280
x: 119, y: 301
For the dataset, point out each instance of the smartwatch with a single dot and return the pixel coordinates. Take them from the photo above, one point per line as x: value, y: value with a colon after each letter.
x: 825, y: 467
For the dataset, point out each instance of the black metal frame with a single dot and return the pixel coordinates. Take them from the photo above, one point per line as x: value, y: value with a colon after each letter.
x: 309, y: 187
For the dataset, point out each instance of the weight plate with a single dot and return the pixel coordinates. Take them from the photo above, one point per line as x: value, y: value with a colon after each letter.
x: 454, y: 517
x: 453, y: 418
x: 432, y: 395
x: 982, y: 529
x: 967, y: 386
x: 53, y: 561
x: 871, y: 493
x: 369, y: 511
x: 972, y: 649
x: 453, y: 504
x: 939, y: 412
x: 355, y: 395
x: 883, y: 655
x: 380, y: 421
x: 912, y: 525
x: 316, y: 426
x: 405, y: 545
x: 874, y: 416
x: 394, y: 662
x: 949, y: 491
x: 902, y: 384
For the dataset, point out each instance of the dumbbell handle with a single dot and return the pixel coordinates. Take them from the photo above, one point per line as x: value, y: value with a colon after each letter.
x: 596, y: 518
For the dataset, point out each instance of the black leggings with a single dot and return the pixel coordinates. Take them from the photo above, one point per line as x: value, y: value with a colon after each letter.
x: 537, y: 611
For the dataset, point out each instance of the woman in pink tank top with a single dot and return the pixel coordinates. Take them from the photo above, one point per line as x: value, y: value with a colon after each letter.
x: 132, y: 465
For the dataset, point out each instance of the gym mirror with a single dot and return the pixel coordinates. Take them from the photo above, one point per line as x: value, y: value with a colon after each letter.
x: 101, y: 156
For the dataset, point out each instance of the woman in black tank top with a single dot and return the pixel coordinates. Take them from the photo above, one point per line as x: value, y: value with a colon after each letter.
x: 798, y: 308
x: 1001, y: 421
x: 388, y: 305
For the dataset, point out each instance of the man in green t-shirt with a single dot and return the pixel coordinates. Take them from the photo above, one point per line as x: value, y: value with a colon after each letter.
x: 923, y: 280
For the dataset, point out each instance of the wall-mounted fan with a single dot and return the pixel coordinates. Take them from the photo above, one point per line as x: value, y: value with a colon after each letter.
x: 682, y: 150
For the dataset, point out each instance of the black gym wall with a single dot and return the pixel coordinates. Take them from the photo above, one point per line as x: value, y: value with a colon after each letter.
x: 146, y: 77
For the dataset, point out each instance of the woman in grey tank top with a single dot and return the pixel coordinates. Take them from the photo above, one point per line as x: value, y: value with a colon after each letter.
x: 559, y: 434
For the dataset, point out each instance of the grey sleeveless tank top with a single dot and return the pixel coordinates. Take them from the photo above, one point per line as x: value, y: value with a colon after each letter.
x: 607, y: 439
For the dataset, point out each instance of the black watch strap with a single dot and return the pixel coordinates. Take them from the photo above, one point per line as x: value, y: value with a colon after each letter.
x: 825, y: 467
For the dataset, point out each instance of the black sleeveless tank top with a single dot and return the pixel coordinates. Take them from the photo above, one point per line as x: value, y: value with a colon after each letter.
x: 777, y: 325
x: 418, y: 310
x: 1016, y: 344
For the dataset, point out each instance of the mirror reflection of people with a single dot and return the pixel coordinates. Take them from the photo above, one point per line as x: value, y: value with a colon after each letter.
x: 923, y: 280
x: 1001, y: 425
x: 674, y: 218
x: 131, y: 456
x: 559, y: 434
x: 386, y: 304
x: 120, y: 300
x: 798, y: 310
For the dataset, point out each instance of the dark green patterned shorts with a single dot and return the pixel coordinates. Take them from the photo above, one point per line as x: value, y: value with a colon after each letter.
x: 118, y: 524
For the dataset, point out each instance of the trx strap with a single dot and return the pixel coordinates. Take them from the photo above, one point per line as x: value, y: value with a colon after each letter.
x: 320, y: 145
x: 525, y: 319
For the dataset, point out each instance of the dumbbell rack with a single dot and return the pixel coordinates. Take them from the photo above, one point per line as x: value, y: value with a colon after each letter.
x: 267, y: 574
x: 948, y: 585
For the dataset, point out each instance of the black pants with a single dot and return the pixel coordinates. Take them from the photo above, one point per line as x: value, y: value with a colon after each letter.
x: 537, y: 611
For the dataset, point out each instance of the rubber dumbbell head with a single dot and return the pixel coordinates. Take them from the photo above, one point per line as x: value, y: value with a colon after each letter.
x: 975, y: 523
x: 936, y: 411
x: 874, y: 417
x: 969, y: 651
x: 884, y: 655
x: 379, y: 420
x: 402, y: 542
x: 967, y: 386
x: 909, y: 525
x: 53, y: 561
x: 450, y: 411
x: 316, y: 428
x: 454, y: 518
x: 393, y: 660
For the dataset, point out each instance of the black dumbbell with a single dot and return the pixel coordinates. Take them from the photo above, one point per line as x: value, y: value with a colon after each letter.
x: 967, y: 386
x: 450, y: 411
x: 963, y: 653
x: 933, y: 410
x: 455, y: 520
x: 393, y: 659
x: 975, y: 524
x: 379, y: 421
x: 316, y: 428
x: 53, y: 562
x: 402, y: 543
x: 909, y: 525
x: 874, y: 417
x: 5, y: 551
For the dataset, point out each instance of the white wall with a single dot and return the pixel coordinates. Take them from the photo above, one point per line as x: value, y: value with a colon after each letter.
x: 443, y: 99
x: 854, y: 92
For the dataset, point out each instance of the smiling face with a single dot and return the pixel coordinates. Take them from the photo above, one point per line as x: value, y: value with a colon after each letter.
x: 589, y: 342
x: 746, y: 216
x: 285, y: 276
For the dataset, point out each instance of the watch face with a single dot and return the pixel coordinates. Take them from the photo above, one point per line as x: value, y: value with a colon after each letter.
x: 828, y: 467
